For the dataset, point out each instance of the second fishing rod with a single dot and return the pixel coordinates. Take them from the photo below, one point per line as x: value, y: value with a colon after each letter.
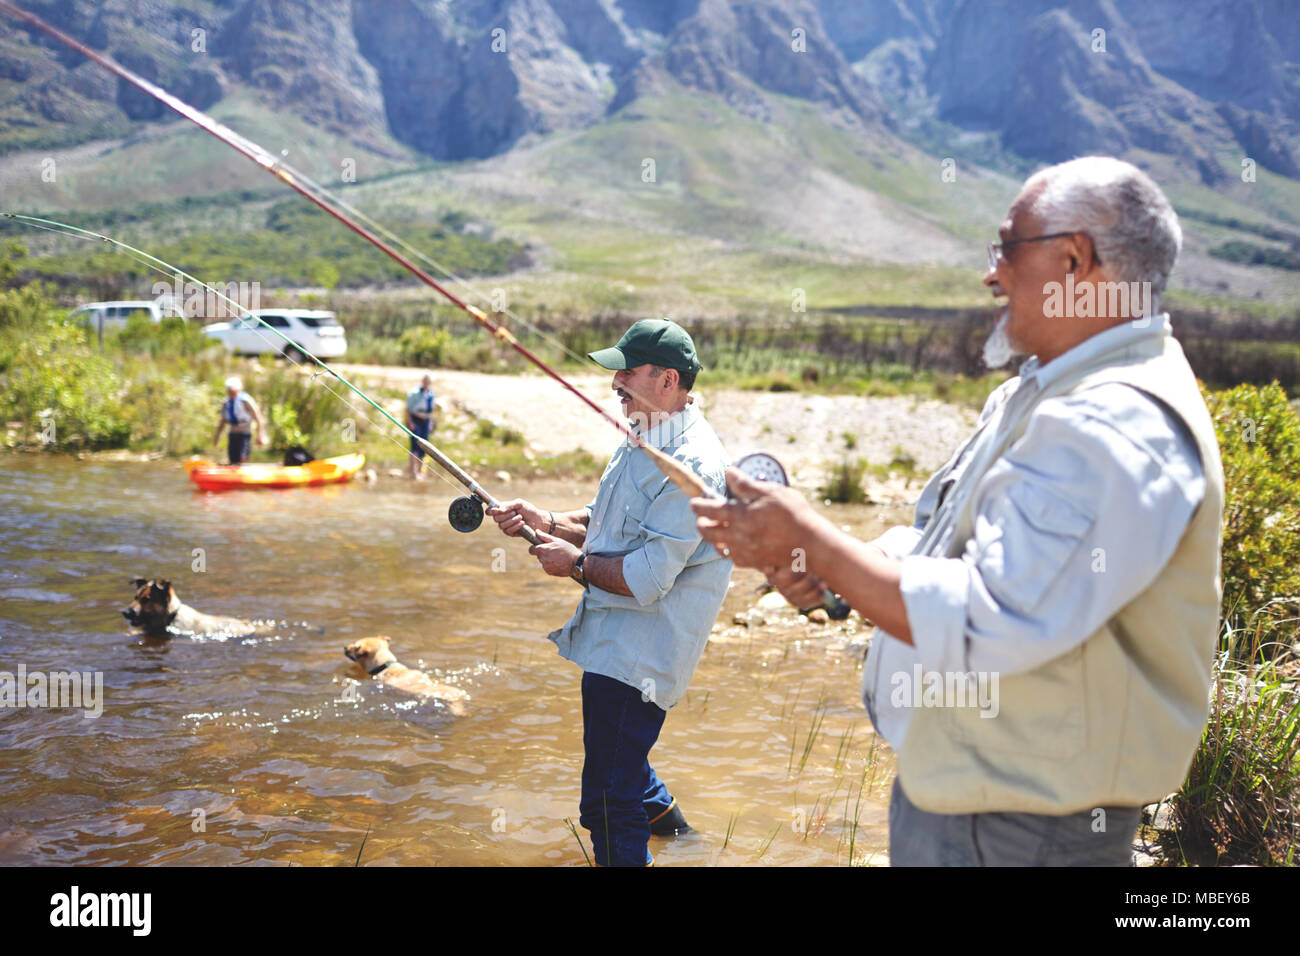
x: 680, y: 475
x: 465, y: 513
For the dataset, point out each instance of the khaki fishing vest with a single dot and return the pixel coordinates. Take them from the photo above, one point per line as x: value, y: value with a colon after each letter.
x: 1115, y: 721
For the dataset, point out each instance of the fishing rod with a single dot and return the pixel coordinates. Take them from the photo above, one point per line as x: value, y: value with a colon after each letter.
x: 303, y: 185
x: 465, y: 514
x: 680, y: 475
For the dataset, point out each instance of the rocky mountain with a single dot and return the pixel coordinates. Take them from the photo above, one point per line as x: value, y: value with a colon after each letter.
x: 454, y: 81
x: 1059, y: 80
x: 1052, y: 79
x: 744, y: 50
x: 457, y: 79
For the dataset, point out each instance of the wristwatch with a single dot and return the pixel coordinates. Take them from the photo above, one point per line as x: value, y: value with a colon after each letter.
x: 577, y: 565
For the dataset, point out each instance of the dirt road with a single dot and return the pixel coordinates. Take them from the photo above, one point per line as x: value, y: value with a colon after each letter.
x: 809, y: 433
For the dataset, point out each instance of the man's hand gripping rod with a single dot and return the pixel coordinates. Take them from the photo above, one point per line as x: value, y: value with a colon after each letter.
x: 476, y: 491
x: 762, y: 467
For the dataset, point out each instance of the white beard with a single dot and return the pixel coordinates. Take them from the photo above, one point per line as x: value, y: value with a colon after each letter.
x: 998, y: 350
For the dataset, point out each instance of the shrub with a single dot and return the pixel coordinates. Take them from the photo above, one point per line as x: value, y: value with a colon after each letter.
x: 285, y: 432
x: 1240, y: 803
x: 423, y: 346
x: 298, y: 412
x: 171, y: 336
x: 62, y: 393
x: 171, y: 412
x: 1259, y: 439
x: 9, y: 258
x: 844, y: 485
x: 23, y: 312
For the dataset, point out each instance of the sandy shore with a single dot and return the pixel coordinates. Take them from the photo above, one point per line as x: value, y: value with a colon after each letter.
x: 806, y: 432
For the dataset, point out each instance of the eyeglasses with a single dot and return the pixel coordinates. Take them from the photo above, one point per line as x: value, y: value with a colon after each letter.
x: 997, y: 250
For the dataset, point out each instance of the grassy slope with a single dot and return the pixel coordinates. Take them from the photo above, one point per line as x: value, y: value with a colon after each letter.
x: 741, y: 213
x: 161, y: 161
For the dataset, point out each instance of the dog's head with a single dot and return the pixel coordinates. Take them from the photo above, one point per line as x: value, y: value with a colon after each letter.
x: 369, y: 652
x: 154, y: 606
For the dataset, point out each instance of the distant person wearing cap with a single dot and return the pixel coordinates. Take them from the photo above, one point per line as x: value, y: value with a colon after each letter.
x: 239, y: 413
x: 653, y: 589
x: 419, y: 419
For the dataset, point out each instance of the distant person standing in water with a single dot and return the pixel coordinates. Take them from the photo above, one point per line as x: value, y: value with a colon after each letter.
x: 239, y: 413
x: 419, y: 419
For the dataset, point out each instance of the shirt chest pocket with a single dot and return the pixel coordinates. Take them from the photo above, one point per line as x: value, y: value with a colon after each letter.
x: 1030, y: 538
x: 634, y: 506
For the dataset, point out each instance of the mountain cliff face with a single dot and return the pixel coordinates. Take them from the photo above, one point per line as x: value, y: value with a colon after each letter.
x: 743, y: 49
x: 472, y: 85
x: 304, y: 57
x: 1060, y: 80
x: 1067, y: 81
x: 45, y: 87
x: 471, y: 78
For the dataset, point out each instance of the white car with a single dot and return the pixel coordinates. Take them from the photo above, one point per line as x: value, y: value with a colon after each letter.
x: 314, y: 331
x: 114, y: 315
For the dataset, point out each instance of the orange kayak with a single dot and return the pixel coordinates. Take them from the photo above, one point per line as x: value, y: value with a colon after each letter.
x: 211, y: 477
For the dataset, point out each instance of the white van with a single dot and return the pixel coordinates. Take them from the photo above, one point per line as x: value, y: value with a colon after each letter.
x: 315, y: 331
x: 100, y: 316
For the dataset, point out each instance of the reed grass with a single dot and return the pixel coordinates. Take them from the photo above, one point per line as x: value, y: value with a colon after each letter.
x: 810, y: 738
x: 732, y: 820
x: 581, y: 846
x: 817, y: 821
x: 850, y: 826
x: 1240, y: 802
x: 767, y: 843
x: 361, y: 849
x: 846, y: 742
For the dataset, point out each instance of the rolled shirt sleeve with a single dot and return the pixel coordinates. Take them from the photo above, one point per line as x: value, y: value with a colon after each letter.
x: 671, y: 539
x: 652, y: 637
x: 1071, y: 524
x: 898, y: 542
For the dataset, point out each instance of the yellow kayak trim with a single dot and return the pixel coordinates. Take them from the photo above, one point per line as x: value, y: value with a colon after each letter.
x: 213, y: 477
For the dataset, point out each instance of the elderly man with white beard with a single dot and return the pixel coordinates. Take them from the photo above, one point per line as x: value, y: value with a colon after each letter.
x: 1067, y: 555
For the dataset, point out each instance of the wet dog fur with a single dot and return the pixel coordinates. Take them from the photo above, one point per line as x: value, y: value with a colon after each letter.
x: 160, y: 614
x: 373, y: 655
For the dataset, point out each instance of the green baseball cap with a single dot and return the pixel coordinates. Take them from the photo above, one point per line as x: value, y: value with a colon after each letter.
x: 659, y: 342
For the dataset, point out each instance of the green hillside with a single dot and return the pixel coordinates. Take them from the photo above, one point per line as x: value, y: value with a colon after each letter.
x: 739, y: 214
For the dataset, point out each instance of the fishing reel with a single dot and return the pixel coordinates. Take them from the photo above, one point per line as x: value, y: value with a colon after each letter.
x: 763, y: 467
x: 466, y: 513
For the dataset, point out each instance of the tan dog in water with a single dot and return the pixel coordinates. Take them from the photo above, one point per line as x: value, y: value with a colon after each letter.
x: 375, y: 658
x: 159, y: 613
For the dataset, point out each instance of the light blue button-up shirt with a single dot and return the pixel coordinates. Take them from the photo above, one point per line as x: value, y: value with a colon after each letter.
x: 653, y: 639
x: 1072, y: 522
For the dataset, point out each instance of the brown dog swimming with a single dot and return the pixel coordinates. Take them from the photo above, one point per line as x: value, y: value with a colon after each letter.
x: 158, y: 612
x: 372, y: 654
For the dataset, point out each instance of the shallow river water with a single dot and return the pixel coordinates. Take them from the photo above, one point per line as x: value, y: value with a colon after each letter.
x: 273, y: 749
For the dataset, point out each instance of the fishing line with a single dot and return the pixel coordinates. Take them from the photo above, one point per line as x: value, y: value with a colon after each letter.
x: 677, y: 472
x: 157, y: 265
x: 460, y: 282
x: 299, y: 184
x: 166, y: 268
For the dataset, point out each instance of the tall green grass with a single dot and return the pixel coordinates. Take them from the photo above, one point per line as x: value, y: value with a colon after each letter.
x: 844, y: 485
x: 1240, y: 803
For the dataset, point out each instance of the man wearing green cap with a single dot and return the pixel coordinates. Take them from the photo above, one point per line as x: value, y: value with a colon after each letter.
x: 653, y: 589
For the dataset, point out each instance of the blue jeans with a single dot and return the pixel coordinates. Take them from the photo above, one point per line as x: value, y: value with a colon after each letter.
x: 237, y: 446
x: 621, y: 793
x: 1100, y: 837
x: 423, y: 430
